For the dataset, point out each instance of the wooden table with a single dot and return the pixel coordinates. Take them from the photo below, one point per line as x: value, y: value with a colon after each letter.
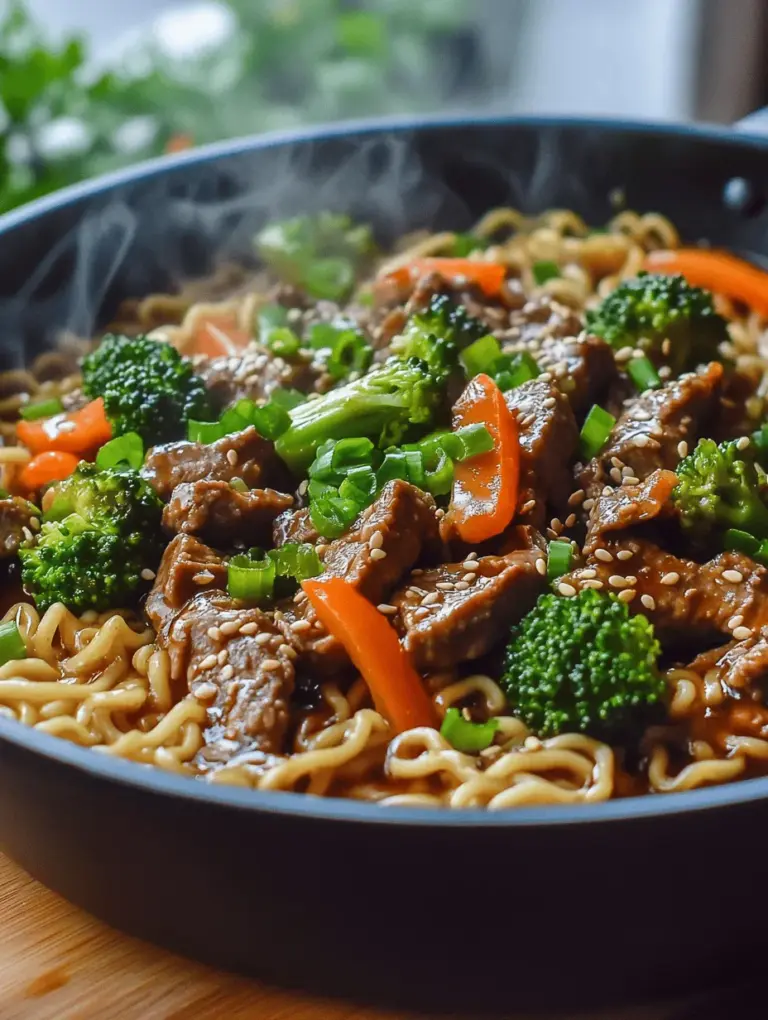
x: 58, y: 963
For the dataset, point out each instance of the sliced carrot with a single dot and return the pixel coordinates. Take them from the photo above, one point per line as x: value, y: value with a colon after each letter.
x: 217, y: 336
x: 372, y: 645
x: 51, y: 466
x: 79, y: 431
x: 488, y: 276
x: 484, y: 494
x: 717, y: 271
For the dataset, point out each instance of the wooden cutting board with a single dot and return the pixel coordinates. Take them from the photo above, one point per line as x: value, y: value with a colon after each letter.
x: 58, y: 963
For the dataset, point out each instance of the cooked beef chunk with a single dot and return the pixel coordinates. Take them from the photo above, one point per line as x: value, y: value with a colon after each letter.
x: 738, y: 664
x: 686, y: 601
x: 649, y: 432
x: 548, y: 441
x: 383, y: 543
x: 241, y: 455
x: 223, y: 515
x: 731, y: 418
x: 187, y: 568
x: 256, y: 372
x: 236, y: 663
x: 629, y: 505
x: 466, y: 612
x: 583, y: 367
x: 294, y: 526
x: 15, y: 515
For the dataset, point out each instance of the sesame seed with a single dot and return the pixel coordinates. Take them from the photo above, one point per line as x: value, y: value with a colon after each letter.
x: 570, y: 520
x: 588, y: 504
x: 528, y: 506
x: 417, y: 572
x: 227, y: 673
x: 597, y: 585
x: 421, y: 612
x: 232, y: 457
x: 642, y: 440
x: 67, y: 426
x: 589, y: 572
x: 251, y: 628
x: 303, y: 487
x: 385, y: 608
x: 472, y: 555
x: 607, y: 490
x: 615, y: 475
x: 617, y: 581
x: 556, y: 524
x: 430, y: 599
x: 743, y: 443
x: 604, y: 555
x: 286, y: 650
x: 549, y: 402
x: 666, y: 346
x: 624, y: 554
x: 203, y: 577
x: 299, y: 625
x: 734, y: 576
x: 470, y: 576
x: 208, y: 662
x: 444, y: 586
x: 230, y: 627
x: 378, y: 554
x: 637, y: 353
x: 641, y: 415
x: 205, y: 691
x: 260, y: 639
x: 734, y: 622
x: 222, y: 657
x: 439, y: 513
x: 461, y: 585
x: 682, y: 448
x: 627, y: 595
x: 541, y: 567
x: 566, y: 589
x: 742, y: 633
x: 623, y: 354
x: 34, y: 523
x: 147, y: 574
x: 376, y: 540
x: 270, y: 664
x: 298, y: 598
x: 27, y: 533
x: 576, y: 497
x: 617, y: 463
x: 671, y: 578
x: 469, y: 564
x: 214, y: 633
x: 630, y: 480
x: 648, y: 601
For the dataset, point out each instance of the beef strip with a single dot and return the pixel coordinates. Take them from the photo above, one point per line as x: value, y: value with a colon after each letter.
x: 548, y: 440
x: 473, y: 608
x: 539, y: 319
x: 738, y: 664
x: 651, y: 428
x: 240, y: 455
x: 187, y: 568
x: 15, y: 515
x: 237, y: 664
x: 686, y: 601
x: 384, y: 542
x: 223, y: 515
x: 294, y: 526
x: 583, y: 368
x: 629, y: 505
x: 256, y: 373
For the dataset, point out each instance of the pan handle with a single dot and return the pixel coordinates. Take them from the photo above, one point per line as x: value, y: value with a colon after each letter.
x: 754, y: 123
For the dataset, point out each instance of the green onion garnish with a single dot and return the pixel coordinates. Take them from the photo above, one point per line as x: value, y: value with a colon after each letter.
x: 42, y: 409
x: 204, y: 431
x: 126, y: 449
x: 559, y: 558
x: 298, y: 560
x: 519, y: 369
x: 283, y: 342
x: 332, y: 515
x: 643, y: 374
x: 330, y: 278
x: 270, y: 420
x: 249, y: 579
x: 11, y: 642
x: 595, y: 431
x: 348, y: 349
x: 465, y: 735
x: 480, y: 355
x: 741, y: 541
x: 545, y: 270
x: 439, y: 479
x: 475, y: 439
x: 287, y: 398
x: 465, y: 244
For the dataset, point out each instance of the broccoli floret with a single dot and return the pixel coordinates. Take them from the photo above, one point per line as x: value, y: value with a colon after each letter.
x: 649, y: 309
x: 583, y: 664
x: 720, y: 487
x: 147, y: 387
x: 100, y: 531
x: 382, y: 405
x: 320, y: 254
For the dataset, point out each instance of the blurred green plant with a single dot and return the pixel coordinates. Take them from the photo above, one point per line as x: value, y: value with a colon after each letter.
x: 280, y: 63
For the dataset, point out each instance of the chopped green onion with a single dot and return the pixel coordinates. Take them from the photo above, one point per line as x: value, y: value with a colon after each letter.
x: 517, y: 370
x: 204, y: 431
x: 414, y: 464
x: 559, y: 558
x: 351, y: 451
x: 270, y: 420
x: 741, y: 541
x: 545, y: 270
x: 271, y: 316
x: 249, y: 579
x: 332, y: 515
x: 42, y: 409
x: 233, y: 419
x: 595, y: 431
x: 439, y: 479
x: 480, y: 355
x: 359, y: 485
x: 465, y: 244
x: 475, y: 439
x: 298, y: 560
x: 393, y: 466
x: 330, y: 278
x: 11, y: 642
x: 128, y: 449
x: 238, y: 485
x: 287, y: 398
x: 349, y: 351
x: 643, y: 373
x: 282, y: 341
x: 761, y: 555
x: 467, y: 736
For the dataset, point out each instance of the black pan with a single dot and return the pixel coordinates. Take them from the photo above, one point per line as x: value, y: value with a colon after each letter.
x: 464, y: 910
